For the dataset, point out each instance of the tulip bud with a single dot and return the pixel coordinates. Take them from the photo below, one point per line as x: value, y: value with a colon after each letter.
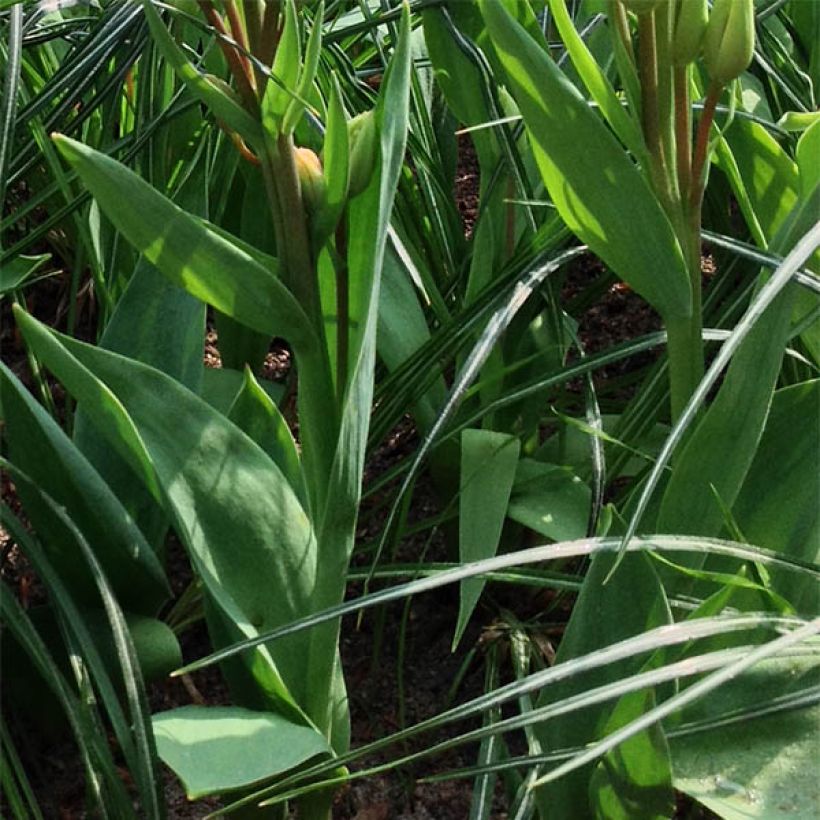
x: 730, y: 39
x: 691, y: 19
x: 361, y: 137
x: 642, y: 6
x: 311, y: 179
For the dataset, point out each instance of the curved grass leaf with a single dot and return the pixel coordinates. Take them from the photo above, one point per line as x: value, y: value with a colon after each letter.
x: 550, y: 552
x: 140, y: 759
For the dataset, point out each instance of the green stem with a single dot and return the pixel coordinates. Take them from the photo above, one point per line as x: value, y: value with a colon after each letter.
x: 618, y: 15
x: 666, y: 98
x: 700, y: 159
x: 683, y: 131
x: 342, y: 309
x: 295, y: 252
x: 650, y: 115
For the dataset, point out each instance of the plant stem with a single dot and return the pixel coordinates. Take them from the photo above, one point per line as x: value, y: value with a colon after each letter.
x: 700, y: 159
x: 269, y: 37
x: 295, y: 253
x: 618, y: 14
x: 666, y: 99
x: 648, y: 73
x: 235, y: 61
x: 342, y: 309
x: 683, y: 131
x: 241, y: 37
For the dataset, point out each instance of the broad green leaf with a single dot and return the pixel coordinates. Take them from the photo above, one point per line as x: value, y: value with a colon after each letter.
x: 221, y: 385
x: 719, y: 452
x: 187, y: 250
x: 769, y: 176
x: 488, y: 465
x: 150, y: 302
x: 634, y: 781
x: 247, y: 533
x: 808, y: 149
x: 768, y: 186
x: 403, y: 329
x: 777, y: 506
x: 254, y: 412
x: 596, y: 81
x: 550, y: 500
x: 223, y: 272
x: 630, y: 603
x: 13, y: 274
x: 588, y: 174
x: 764, y: 766
x: 42, y: 450
x: 798, y: 120
x: 217, y: 749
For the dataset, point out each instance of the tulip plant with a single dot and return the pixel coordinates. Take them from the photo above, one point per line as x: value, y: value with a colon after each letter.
x: 283, y: 171
x: 279, y: 548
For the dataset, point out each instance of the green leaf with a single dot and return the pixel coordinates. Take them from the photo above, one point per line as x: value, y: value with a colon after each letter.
x: 217, y: 749
x: 41, y: 449
x: 336, y: 158
x: 216, y: 504
x: 336, y: 530
x: 550, y: 500
x: 634, y: 781
x: 150, y: 302
x: 808, y: 149
x: 254, y: 412
x: 285, y: 73
x: 221, y: 386
x: 13, y: 274
x: 189, y: 251
x: 763, y: 766
x: 223, y: 105
x: 488, y: 465
x: 596, y: 81
x: 630, y: 603
x: 719, y: 452
x: 777, y: 505
x: 307, y: 74
x: 588, y: 174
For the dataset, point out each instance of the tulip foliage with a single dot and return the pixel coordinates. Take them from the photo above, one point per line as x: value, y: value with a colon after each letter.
x: 281, y: 173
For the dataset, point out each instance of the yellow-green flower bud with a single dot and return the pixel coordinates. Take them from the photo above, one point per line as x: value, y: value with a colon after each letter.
x: 642, y: 6
x: 361, y: 137
x: 691, y: 19
x: 730, y: 39
x: 311, y: 179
